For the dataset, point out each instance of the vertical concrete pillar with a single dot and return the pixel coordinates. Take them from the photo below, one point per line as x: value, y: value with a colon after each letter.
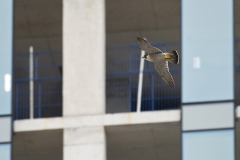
x: 83, y: 57
x: 84, y: 143
x: 84, y: 76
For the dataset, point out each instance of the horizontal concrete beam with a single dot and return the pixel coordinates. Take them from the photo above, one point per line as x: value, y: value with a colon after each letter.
x: 97, y: 120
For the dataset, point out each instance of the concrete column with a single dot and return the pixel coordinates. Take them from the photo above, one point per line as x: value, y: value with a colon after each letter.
x: 83, y: 57
x: 84, y: 76
x: 84, y: 143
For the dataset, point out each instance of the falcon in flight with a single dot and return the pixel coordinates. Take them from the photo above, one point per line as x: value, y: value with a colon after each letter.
x: 159, y: 59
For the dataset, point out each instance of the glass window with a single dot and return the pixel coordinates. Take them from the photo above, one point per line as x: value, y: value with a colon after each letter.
x: 207, y: 50
x: 6, y: 30
x: 208, y: 145
x: 5, y: 151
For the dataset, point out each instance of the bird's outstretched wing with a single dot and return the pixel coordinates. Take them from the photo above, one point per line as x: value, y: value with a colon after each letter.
x: 145, y: 46
x: 163, y: 71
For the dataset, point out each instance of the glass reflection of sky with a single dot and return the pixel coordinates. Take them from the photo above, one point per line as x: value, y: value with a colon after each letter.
x: 6, y: 42
x: 207, y: 33
x: 208, y: 145
x: 5, y: 151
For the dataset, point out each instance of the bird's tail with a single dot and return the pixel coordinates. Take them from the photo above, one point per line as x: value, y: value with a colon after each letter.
x: 174, y: 56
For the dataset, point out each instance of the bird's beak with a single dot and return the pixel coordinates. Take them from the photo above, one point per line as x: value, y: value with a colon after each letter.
x: 144, y: 56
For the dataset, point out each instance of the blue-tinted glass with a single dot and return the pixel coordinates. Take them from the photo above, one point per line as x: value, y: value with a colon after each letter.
x: 208, y: 145
x: 5, y: 129
x: 6, y: 35
x: 207, y: 50
x: 5, y: 151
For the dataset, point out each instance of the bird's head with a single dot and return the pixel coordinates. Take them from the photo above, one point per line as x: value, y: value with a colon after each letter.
x: 145, y: 56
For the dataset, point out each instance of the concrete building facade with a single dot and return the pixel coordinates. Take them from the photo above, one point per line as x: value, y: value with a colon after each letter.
x: 83, y: 29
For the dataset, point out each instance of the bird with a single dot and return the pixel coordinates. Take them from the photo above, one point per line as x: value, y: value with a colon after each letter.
x: 159, y: 59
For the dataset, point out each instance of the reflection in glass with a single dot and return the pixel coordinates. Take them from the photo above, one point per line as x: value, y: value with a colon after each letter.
x: 5, y: 151
x: 207, y: 50
x: 208, y: 145
x: 6, y: 42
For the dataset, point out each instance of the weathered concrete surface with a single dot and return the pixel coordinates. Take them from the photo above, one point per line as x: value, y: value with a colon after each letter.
x: 97, y: 120
x: 38, y: 145
x: 128, y: 135
x: 83, y: 78
x: 154, y: 141
x: 157, y: 20
x: 86, y: 143
x: 37, y: 23
x: 83, y: 57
